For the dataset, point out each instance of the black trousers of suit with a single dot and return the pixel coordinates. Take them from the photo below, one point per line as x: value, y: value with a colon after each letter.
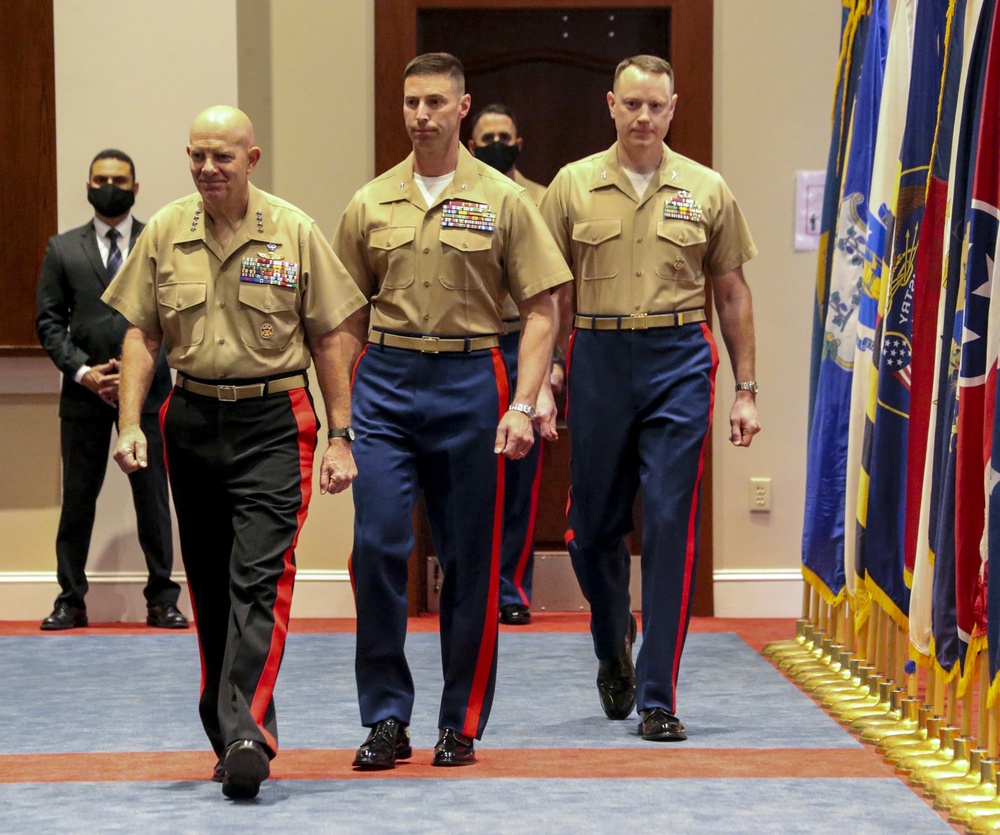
x: 85, y: 442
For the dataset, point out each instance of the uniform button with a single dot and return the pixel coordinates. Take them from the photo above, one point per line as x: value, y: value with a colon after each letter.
x: 427, y: 249
x: 427, y: 284
x: 637, y: 307
x: 222, y: 341
x: 638, y: 240
x: 427, y: 316
x: 465, y: 246
x: 638, y: 272
x: 267, y: 305
x: 222, y: 304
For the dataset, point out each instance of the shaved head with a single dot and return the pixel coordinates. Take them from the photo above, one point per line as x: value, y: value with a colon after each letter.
x: 223, y: 119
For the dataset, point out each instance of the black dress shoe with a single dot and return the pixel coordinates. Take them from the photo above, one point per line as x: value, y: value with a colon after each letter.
x: 388, y: 741
x: 657, y: 725
x: 246, y: 766
x: 165, y: 616
x: 65, y: 616
x: 219, y: 772
x: 616, y: 679
x: 454, y: 749
x: 515, y: 614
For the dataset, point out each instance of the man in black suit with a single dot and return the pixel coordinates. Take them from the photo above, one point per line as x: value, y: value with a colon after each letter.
x: 84, y: 336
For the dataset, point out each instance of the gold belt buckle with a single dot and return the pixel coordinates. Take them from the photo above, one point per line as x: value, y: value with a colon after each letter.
x: 435, y: 339
x: 640, y: 321
x: 227, y: 390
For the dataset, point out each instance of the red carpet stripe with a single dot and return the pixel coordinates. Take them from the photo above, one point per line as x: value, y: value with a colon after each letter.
x: 659, y: 762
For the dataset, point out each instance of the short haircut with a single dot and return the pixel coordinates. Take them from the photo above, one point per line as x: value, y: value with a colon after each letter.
x: 112, y: 153
x: 438, y: 63
x: 653, y: 64
x: 497, y: 109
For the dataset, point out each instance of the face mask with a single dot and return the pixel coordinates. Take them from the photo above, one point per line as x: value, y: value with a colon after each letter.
x: 111, y: 201
x: 498, y: 155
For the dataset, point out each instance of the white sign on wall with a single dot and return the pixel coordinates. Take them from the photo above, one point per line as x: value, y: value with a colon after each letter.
x: 809, y: 187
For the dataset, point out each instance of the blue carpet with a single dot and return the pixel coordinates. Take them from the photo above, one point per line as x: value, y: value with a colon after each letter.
x: 94, y: 693
x: 472, y: 806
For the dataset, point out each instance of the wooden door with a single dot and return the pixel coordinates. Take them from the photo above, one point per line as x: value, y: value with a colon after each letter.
x: 552, y: 62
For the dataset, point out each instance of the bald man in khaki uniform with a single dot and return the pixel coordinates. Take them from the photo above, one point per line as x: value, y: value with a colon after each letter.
x: 436, y: 244
x: 644, y: 229
x: 243, y: 289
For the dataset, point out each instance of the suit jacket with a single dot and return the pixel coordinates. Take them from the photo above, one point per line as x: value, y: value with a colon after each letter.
x: 76, y: 328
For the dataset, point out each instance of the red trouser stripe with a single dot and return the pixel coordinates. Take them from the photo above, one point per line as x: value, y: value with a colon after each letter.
x: 529, y: 537
x: 692, y: 526
x: 569, y: 535
x: 487, y: 647
x: 306, y: 420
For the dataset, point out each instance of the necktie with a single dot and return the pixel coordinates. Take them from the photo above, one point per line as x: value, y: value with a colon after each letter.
x: 114, y: 254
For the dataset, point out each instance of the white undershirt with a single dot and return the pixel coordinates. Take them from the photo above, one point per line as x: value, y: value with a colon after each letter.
x: 640, y: 182
x: 432, y: 187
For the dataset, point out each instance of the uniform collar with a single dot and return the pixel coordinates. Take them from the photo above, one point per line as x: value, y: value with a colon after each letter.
x: 399, y: 183
x: 258, y: 224
x: 673, y: 173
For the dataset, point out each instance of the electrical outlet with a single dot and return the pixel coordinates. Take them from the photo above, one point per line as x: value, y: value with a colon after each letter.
x: 760, y: 495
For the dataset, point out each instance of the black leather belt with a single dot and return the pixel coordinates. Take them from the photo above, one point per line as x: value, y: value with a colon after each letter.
x: 245, y: 391
x: 434, y: 344
x: 639, y: 321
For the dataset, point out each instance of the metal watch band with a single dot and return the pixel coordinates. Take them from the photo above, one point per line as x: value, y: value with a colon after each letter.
x: 524, y: 408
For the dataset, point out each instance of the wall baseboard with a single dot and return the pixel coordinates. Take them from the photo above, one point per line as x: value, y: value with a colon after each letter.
x: 117, y: 596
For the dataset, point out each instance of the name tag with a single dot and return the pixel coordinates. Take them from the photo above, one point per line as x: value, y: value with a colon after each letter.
x: 464, y: 214
x: 259, y: 269
x: 682, y: 207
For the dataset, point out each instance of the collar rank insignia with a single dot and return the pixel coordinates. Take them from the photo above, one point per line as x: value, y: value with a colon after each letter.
x: 464, y: 214
x: 682, y: 206
x: 260, y: 269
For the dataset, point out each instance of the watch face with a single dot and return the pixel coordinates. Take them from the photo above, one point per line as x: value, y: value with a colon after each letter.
x: 349, y: 433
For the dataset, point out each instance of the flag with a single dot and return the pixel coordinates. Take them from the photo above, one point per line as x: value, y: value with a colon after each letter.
x: 927, y: 312
x: 942, y: 514
x: 823, y: 526
x: 878, y: 253
x: 885, y: 560
x: 979, y: 351
x: 853, y: 26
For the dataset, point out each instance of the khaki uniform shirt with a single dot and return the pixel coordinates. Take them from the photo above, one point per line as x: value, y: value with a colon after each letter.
x: 535, y: 192
x: 445, y: 270
x: 244, y: 314
x: 644, y: 255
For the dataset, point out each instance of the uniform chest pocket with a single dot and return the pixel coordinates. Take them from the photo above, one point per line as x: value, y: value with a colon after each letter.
x: 467, y: 258
x: 680, y: 249
x: 182, y: 312
x: 392, y: 253
x: 269, y: 316
x: 597, y: 247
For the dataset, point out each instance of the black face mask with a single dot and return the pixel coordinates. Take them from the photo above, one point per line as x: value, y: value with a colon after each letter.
x: 498, y: 155
x: 111, y: 201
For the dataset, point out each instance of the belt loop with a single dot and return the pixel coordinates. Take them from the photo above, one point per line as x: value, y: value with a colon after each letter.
x: 618, y: 321
x: 467, y: 343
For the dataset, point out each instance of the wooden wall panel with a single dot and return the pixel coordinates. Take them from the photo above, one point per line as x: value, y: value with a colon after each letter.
x: 28, y: 138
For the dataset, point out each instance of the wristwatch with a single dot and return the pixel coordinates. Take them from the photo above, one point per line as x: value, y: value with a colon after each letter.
x: 524, y: 408
x: 749, y: 385
x: 344, y: 432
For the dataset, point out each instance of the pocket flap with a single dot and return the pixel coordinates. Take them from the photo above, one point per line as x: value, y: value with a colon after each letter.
x: 180, y: 295
x: 680, y: 232
x: 597, y: 231
x: 466, y: 239
x: 391, y: 237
